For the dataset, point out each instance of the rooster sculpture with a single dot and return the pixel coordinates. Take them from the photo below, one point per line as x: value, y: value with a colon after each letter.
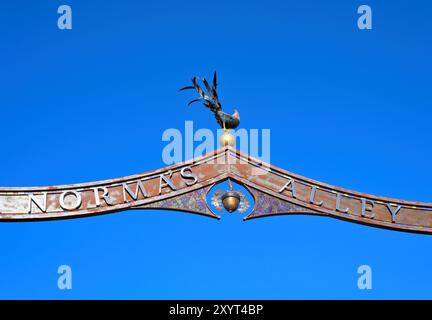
x: 210, y: 99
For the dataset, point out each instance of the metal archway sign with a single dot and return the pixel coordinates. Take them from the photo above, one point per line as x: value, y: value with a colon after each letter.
x: 184, y: 187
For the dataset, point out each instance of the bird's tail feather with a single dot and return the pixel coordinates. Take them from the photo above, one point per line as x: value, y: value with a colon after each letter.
x: 209, y: 100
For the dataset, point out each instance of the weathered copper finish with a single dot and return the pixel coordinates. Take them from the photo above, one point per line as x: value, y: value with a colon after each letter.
x: 184, y: 187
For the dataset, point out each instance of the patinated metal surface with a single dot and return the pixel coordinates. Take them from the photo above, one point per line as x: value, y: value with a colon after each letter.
x: 268, y: 205
x: 319, y: 198
x: 193, y: 201
x: 184, y: 187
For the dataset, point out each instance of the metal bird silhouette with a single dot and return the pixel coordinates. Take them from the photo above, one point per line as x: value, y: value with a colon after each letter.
x: 210, y: 99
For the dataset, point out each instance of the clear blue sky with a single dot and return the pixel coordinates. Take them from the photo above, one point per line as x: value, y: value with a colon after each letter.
x: 347, y: 107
